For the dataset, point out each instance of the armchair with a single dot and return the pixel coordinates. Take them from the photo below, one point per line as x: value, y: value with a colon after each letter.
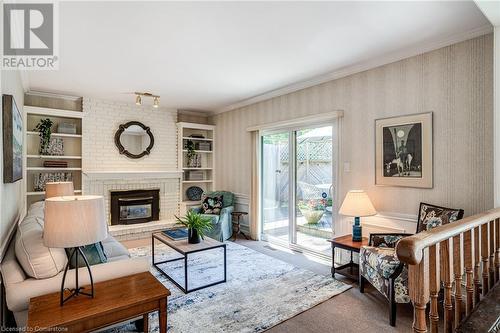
x: 378, y: 262
x: 222, y: 225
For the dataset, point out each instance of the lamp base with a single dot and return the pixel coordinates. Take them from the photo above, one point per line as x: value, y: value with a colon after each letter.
x: 356, y: 230
x: 77, y: 290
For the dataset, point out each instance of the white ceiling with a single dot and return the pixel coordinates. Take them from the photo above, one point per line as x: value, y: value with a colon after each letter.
x: 209, y: 55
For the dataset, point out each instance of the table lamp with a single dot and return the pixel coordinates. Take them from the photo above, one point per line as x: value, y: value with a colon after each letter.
x: 73, y: 222
x: 357, y: 204
x: 58, y: 189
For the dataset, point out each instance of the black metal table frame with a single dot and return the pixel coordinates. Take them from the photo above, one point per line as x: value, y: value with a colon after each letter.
x: 184, y: 257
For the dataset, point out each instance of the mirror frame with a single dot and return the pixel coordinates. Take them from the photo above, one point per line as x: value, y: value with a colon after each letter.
x: 122, y: 149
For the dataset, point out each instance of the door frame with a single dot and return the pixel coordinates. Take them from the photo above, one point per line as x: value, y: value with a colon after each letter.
x: 292, y: 186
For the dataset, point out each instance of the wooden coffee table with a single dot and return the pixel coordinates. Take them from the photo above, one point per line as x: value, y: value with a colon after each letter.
x: 115, y: 301
x: 184, y: 248
x: 351, y: 269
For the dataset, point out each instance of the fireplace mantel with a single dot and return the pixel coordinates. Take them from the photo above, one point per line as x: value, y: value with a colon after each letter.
x: 132, y: 174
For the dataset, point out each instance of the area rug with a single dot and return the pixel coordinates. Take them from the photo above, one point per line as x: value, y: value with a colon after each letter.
x: 260, y: 291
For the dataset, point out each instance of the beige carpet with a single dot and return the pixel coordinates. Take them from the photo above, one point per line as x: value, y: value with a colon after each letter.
x: 349, y: 312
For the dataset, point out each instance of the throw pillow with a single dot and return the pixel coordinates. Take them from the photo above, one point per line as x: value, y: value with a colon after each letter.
x: 212, y: 205
x: 93, y: 252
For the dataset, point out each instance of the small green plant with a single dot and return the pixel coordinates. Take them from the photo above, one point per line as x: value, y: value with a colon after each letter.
x: 44, y: 131
x: 190, y: 149
x: 196, y: 221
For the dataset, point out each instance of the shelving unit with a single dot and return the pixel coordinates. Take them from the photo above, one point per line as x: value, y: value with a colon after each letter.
x: 72, y: 148
x: 207, y: 166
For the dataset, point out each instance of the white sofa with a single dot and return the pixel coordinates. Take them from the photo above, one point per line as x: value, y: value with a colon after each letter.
x: 29, y: 269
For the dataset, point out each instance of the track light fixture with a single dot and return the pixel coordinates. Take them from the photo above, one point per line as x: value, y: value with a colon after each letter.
x: 139, y: 95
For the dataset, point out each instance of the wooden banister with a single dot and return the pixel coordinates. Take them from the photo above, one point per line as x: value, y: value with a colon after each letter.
x: 410, y: 248
x: 438, y: 258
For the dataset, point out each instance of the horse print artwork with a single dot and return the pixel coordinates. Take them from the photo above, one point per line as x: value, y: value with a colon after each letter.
x: 403, y: 151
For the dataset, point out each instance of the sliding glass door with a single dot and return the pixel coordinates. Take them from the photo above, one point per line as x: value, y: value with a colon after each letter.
x: 275, y: 175
x: 297, y: 174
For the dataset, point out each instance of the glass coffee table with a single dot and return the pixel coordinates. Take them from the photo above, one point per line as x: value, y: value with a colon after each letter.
x: 185, y: 249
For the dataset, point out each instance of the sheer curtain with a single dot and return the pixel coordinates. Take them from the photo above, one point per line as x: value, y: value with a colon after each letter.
x: 255, y: 188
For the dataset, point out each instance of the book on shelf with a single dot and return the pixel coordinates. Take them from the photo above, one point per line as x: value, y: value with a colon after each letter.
x: 55, y: 164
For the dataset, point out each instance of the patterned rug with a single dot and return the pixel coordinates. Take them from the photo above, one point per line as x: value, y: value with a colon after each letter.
x: 260, y: 291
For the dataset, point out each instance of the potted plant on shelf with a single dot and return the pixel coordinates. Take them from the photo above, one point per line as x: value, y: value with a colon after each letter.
x: 44, y: 131
x: 313, y: 209
x: 197, y: 226
x: 191, y: 154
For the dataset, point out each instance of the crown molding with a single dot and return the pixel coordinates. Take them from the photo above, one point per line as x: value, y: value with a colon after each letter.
x: 194, y: 113
x: 376, y: 62
x: 52, y: 95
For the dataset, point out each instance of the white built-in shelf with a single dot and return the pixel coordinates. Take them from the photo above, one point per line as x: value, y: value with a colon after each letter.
x: 53, y: 112
x: 52, y: 169
x: 197, y: 181
x: 55, y: 157
x: 62, y: 135
x: 43, y: 193
x: 200, y: 151
x: 197, y: 168
x: 196, y: 139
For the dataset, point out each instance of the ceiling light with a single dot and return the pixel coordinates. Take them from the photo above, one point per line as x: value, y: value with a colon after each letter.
x: 140, y: 95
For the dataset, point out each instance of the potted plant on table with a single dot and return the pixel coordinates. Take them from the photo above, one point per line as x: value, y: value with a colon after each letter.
x: 197, y: 224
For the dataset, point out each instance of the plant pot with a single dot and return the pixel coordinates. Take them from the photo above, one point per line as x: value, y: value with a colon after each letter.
x: 193, y: 237
x: 312, y: 216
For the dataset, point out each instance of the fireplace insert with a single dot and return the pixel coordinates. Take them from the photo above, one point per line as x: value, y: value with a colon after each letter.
x: 135, y: 206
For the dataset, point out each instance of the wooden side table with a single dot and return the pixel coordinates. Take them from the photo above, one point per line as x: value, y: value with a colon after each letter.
x: 115, y: 301
x: 238, y: 231
x: 351, y: 269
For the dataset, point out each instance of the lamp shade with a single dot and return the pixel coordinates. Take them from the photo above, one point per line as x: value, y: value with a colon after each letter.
x: 358, y: 204
x: 59, y: 189
x: 73, y: 221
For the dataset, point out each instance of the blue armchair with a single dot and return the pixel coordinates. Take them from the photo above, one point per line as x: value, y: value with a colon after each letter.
x: 222, y: 223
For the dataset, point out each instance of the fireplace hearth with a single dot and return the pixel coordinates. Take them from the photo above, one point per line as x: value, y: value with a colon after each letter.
x: 135, y: 206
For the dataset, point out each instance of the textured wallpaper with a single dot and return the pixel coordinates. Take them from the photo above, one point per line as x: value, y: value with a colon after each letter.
x: 455, y: 82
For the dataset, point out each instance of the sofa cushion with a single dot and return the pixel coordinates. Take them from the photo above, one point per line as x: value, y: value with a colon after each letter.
x: 37, y: 209
x: 94, y: 253
x: 37, y: 260
x: 114, y: 249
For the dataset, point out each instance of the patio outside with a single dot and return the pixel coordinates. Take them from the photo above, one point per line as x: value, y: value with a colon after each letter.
x: 314, y: 188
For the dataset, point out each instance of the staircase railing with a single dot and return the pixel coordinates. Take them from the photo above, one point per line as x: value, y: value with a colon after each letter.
x: 438, y: 257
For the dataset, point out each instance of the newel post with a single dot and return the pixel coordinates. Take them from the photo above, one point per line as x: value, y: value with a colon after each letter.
x: 418, y: 283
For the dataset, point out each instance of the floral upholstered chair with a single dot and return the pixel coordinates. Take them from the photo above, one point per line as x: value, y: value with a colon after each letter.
x: 379, y: 265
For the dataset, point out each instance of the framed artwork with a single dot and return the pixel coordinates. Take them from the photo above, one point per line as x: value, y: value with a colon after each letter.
x: 403, y: 151
x: 12, y: 140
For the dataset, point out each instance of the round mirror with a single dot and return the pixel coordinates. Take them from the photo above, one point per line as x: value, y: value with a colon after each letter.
x: 134, y: 139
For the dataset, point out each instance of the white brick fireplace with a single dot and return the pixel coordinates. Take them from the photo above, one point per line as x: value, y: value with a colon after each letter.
x: 168, y: 182
x: 104, y: 169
